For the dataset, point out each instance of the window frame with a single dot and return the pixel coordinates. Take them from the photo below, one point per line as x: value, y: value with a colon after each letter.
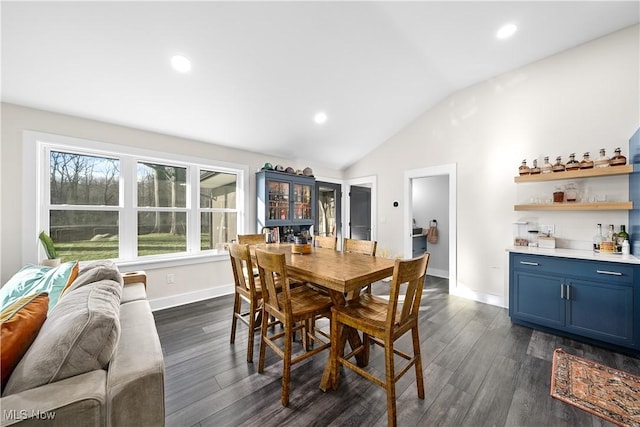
x: 37, y: 204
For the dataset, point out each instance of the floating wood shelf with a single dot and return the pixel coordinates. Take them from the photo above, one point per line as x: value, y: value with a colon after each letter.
x: 601, y: 206
x: 580, y: 173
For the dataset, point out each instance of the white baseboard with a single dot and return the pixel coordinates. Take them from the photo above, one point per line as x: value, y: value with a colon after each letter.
x: 189, y: 297
x: 491, y: 299
x: 438, y: 272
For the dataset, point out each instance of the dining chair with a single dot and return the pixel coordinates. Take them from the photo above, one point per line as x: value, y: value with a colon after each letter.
x: 251, y: 239
x: 383, y: 322
x: 247, y: 288
x: 293, y: 308
x: 327, y: 242
x: 366, y: 247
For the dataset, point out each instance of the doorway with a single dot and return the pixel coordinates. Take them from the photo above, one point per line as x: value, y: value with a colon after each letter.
x: 446, y: 175
x: 329, y: 218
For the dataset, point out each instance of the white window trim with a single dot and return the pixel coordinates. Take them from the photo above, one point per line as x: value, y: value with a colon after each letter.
x: 35, y: 173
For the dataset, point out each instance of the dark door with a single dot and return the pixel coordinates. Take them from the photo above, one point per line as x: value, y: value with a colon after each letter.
x: 360, y: 213
x: 329, y: 209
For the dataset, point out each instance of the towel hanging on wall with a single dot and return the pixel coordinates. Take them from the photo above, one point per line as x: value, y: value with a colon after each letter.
x: 432, y: 234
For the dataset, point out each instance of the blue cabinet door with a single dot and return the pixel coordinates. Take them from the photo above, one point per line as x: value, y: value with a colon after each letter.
x: 602, y: 311
x: 537, y: 298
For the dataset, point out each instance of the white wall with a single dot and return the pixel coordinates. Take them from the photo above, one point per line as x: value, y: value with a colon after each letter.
x: 580, y: 100
x: 191, y: 281
x: 430, y: 198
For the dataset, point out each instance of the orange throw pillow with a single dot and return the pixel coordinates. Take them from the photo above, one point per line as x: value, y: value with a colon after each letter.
x: 20, y: 323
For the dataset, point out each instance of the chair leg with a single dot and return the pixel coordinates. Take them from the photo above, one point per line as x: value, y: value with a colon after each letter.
x: 252, y: 326
x: 390, y: 384
x: 418, y: 365
x: 263, y: 337
x: 234, y: 320
x: 286, y: 367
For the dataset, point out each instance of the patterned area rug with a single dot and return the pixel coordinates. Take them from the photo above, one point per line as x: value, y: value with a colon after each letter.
x: 608, y: 393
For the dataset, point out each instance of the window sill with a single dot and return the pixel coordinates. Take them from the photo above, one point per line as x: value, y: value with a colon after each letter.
x: 153, y: 263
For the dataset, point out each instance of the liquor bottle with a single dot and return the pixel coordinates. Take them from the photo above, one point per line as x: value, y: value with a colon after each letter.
x: 571, y: 192
x: 586, y: 162
x: 558, y: 166
x: 622, y: 236
x: 602, y: 161
x: 572, y: 164
x: 597, y: 238
x: 524, y: 169
x: 535, y: 170
x: 626, y: 247
x: 546, y: 167
x: 618, y: 159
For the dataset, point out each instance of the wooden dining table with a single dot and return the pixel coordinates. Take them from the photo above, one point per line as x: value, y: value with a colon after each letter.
x: 342, y: 274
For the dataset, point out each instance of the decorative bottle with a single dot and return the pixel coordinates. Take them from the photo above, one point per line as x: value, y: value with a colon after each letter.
x: 622, y: 236
x: 597, y: 238
x: 535, y: 170
x: 571, y: 192
x: 558, y: 166
x: 586, y: 162
x: 602, y: 161
x: 524, y: 169
x: 618, y: 159
x: 572, y: 164
x: 546, y: 167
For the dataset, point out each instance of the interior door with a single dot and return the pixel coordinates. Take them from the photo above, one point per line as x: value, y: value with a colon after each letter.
x: 329, y: 218
x: 360, y: 213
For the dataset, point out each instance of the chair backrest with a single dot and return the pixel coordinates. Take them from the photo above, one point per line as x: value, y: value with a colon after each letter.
x: 412, y: 273
x: 367, y: 247
x: 273, y: 276
x: 327, y: 242
x: 251, y: 239
x: 241, y: 264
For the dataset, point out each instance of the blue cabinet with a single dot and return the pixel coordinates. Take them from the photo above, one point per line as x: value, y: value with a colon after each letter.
x: 284, y: 199
x: 589, y: 299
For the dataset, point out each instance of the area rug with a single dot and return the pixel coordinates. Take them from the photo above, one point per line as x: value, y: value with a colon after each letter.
x: 606, y: 392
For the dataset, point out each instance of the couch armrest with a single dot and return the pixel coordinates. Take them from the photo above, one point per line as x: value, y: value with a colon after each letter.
x: 76, y: 401
x: 135, y: 382
x: 135, y: 277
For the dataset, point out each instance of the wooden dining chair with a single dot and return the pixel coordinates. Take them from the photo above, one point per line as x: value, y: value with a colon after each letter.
x: 366, y: 247
x: 327, y: 242
x: 294, y: 308
x: 251, y: 239
x: 383, y: 322
x: 248, y: 289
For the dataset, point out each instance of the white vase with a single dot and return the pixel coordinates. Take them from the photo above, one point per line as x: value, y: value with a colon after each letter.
x: 50, y: 262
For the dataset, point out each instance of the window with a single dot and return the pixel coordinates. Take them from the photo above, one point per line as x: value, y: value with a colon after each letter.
x: 100, y: 201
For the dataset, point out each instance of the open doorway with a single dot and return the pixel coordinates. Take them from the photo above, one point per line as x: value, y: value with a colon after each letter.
x: 329, y: 218
x: 445, y: 178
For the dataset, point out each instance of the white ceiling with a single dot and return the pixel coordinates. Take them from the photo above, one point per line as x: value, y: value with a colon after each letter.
x: 261, y: 70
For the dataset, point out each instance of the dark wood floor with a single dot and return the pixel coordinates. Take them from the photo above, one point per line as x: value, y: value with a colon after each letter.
x: 479, y: 370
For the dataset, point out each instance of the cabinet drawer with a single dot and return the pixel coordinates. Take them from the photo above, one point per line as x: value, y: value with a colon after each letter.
x: 608, y: 272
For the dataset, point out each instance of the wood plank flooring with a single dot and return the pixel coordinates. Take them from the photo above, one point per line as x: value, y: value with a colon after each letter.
x: 479, y: 370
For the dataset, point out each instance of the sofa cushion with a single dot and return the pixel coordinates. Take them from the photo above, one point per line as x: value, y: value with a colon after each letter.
x: 19, y: 324
x: 33, y: 279
x: 94, y: 272
x: 80, y: 335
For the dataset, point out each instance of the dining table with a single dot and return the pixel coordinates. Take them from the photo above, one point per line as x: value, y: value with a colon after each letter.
x: 342, y: 275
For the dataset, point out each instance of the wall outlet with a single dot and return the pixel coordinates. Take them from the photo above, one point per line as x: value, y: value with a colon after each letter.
x: 547, y: 229
x: 171, y: 279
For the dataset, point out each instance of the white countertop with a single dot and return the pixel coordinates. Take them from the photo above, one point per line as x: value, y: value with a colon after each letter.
x: 577, y: 254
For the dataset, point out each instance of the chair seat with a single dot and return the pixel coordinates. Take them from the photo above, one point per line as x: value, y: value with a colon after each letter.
x: 368, y: 309
x: 306, y: 302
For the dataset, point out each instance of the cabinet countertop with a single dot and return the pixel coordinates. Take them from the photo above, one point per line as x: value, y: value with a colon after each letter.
x: 576, y: 254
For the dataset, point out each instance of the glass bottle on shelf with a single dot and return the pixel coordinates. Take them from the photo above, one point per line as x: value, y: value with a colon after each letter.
x: 558, y: 166
x: 524, y: 169
x: 618, y: 159
x: 546, y: 167
x: 602, y: 161
x: 622, y: 236
x: 558, y: 195
x: 535, y: 170
x: 597, y: 238
x: 572, y: 164
x: 571, y: 192
x: 586, y: 162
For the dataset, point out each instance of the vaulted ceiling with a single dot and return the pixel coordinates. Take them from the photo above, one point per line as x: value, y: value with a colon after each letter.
x: 260, y: 71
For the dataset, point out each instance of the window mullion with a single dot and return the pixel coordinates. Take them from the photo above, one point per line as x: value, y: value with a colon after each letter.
x: 128, y: 212
x: 193, y: 214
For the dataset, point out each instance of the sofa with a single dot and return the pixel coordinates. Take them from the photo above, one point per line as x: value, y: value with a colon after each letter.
x: 96, y: 359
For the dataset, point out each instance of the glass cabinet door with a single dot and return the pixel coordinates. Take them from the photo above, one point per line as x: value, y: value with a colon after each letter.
x: 302, y: 201
x: 278, y: 196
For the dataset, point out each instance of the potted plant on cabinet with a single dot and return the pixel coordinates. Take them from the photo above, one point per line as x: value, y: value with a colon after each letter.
x: 52, y: 259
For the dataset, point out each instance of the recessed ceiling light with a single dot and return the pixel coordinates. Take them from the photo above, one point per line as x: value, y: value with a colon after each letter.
x: 181, y: 64
x: 506, y: 31
x: 320, y: 118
